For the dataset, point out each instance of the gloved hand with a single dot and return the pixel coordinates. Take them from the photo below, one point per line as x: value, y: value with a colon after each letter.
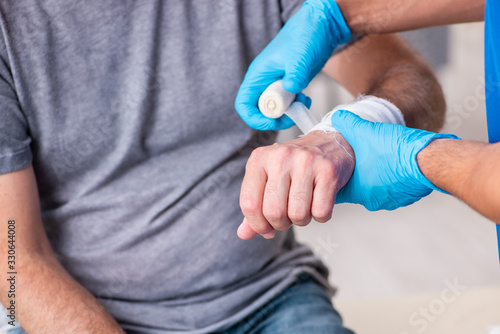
x: 296, y: 55
x: 386, y: 174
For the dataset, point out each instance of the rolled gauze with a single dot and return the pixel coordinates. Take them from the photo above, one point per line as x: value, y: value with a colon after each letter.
x: 276, y: 101
x: 304, y: 119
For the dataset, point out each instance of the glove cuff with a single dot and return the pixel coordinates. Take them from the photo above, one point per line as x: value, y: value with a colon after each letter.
x: 368, y: 107
x: 338, y: 30
x: 422, y: 143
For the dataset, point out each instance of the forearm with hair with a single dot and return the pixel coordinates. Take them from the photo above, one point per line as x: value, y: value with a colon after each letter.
x: 49, y: 300
x: 415, y: 91
x: 466, y: 169
x: 386, y: 67
x: 385, y: 16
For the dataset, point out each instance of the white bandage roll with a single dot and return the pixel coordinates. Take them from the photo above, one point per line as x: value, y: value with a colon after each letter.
x: 275, y: 100
x: 369, y: 107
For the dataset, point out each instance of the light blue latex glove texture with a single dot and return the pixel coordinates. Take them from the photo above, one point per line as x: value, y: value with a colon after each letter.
x: 296, y: 55
x: 386, y: 174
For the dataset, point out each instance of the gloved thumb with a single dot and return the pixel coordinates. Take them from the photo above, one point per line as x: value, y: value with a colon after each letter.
x: 296, y: 77
x: 348, y: 124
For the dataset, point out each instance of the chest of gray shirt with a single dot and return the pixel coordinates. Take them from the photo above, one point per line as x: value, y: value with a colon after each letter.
x: 125, y: 109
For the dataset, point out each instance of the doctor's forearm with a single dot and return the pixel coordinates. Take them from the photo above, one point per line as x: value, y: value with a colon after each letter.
x: 466, y: 169
x: 383, y: 16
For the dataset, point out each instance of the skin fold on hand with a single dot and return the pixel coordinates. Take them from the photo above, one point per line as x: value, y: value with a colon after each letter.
x: 290, y: 183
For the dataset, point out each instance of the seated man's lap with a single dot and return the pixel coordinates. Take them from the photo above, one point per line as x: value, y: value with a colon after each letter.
x: 304, y: 307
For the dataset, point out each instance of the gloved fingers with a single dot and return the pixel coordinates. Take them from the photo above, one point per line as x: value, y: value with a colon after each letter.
x: 304, y: 99
x: 351, y: 126
x: 339, y: 30
x: 246, y: 105
x: 297, y: 74
x: 247, y: 100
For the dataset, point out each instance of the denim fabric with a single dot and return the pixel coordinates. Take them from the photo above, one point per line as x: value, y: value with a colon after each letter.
x: 303, y: 308
x: 14, y: 331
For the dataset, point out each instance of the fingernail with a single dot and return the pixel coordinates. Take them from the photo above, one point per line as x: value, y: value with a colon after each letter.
x: 269, y: 235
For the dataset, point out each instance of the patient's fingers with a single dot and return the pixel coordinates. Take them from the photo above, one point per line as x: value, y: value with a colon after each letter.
x: 276, y: 193
x: 245, y: 232
x: 324, y: 192
x: 301, y: 189
x: 252, y: 195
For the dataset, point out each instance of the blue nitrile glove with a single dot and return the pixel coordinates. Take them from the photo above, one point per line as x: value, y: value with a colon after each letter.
x: 296, y: 55
x: 386, y: 174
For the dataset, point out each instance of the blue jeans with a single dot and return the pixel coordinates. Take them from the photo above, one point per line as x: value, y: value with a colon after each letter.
x: 303, y: 308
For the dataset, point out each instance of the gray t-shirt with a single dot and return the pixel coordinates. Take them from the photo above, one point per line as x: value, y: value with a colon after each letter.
x: 125, y: 108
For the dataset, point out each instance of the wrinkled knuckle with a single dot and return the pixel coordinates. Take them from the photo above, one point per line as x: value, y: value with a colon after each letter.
x: 256, y: 154
x: 250, y: 205
x: 303, y: 223
x: 328, y: 167
x: 282, y: 226
x: 322, y: 215
x: 306, y: 156
x: 328, y: 171
x: 283, y: 152
x: 297, y: 213
x: 299, y: 216
x: 274, y: 215
x: 298, y: 197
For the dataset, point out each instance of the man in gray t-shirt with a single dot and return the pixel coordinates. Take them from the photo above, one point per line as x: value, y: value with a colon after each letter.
x: 122, y: 157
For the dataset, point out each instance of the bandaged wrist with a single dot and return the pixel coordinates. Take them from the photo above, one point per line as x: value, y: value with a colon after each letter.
x: 368, y: 107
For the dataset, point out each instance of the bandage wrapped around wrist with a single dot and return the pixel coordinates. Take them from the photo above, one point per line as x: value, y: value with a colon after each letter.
x: 368, y: 107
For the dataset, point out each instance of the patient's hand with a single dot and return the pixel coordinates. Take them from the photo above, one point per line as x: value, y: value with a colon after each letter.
x: 290, y: 183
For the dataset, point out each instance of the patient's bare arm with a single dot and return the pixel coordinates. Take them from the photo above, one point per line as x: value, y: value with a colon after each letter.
x: 47, y: 299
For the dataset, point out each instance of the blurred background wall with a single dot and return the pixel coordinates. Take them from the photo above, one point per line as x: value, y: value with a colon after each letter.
x: 432, y: 267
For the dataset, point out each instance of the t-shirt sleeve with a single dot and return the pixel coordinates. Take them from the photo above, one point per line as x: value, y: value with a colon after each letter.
x: 290, y: 7
x: 15, y: 151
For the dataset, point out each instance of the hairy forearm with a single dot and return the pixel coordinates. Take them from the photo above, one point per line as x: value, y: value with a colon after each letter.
x: 49, y: 300
x: 413, y: 88
x: 466, y: 169
x: 386, y: 67
x: 383, y: 16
